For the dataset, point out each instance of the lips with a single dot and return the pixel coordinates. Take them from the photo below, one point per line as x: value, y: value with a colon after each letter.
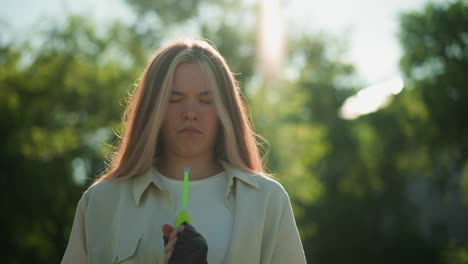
x: 190, y: 130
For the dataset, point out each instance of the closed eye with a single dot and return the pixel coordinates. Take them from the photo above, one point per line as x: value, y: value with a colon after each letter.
x: 203, y: 97
x: 175, y: 98
x: 206, y: 101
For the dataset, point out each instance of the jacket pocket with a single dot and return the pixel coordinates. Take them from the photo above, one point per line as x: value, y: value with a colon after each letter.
x: 127, y: 248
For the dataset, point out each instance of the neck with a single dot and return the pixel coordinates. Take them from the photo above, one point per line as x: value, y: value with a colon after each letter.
x: 200, y: 167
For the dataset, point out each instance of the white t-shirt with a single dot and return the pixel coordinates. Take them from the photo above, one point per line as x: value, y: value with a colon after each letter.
x: 208, y: 212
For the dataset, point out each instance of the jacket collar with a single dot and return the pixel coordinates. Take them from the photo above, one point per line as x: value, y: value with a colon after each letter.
x: 141, y: 182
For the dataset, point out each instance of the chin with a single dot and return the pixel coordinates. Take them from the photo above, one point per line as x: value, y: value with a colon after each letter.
x: 191, y: 152
x: 192, y: 149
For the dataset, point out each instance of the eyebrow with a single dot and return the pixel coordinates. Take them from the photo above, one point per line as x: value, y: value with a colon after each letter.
x: 206, y: 92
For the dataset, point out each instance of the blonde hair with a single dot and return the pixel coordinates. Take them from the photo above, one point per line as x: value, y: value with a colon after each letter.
x: 140, y: 144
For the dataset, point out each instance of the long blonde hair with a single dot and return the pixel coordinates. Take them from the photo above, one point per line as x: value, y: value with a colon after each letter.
x: 140, y: 144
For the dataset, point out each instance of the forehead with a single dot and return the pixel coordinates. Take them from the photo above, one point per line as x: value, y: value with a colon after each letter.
x: 190, y: 77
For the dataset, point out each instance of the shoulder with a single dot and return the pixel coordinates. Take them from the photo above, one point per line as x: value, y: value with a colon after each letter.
x: 259, y: 181
x: 268, y: 183
x: 274, y: 196
x: 268, y: 187
x: 104, y: 191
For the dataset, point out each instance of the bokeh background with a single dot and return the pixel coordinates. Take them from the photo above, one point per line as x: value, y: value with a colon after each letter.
x: 364, y: 105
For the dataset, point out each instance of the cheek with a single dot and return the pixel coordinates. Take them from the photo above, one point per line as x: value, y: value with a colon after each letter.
x: 213, y: 124
x: 171, y: 112
x: 167, y: 125
x: 172, y: 115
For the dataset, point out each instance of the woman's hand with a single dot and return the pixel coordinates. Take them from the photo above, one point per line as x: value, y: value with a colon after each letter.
x: 171, y: 235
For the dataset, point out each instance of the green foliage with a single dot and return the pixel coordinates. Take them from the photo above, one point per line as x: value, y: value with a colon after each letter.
x: 435, y: 42
x: 360, y: 174
x: 58, y: 102
x: 171, y: 12
x: 456, y: 255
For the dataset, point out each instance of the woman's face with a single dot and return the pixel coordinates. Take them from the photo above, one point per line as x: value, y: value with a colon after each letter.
x: 191, y: 121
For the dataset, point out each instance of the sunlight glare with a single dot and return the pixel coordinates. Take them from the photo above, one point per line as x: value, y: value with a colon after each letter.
x: 270, y: 40
x: 371, y: 99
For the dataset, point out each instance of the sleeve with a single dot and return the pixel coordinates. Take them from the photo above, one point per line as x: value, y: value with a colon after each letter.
x: 288, y: 247
x: 76, y: 248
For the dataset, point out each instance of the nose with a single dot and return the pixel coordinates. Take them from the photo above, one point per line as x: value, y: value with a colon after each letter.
x: 190, y: 112
x: 190, y: 116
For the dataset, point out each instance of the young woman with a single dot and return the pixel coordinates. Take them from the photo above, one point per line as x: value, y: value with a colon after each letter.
x: 186, y: 112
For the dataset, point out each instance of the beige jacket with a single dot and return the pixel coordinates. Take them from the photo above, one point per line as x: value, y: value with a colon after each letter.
x: 110, y: 221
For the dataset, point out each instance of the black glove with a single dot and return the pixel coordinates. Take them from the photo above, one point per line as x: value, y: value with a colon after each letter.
x: 190, y: 248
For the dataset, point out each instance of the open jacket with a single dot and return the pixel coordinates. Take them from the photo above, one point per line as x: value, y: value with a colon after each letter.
x: 109, y: 221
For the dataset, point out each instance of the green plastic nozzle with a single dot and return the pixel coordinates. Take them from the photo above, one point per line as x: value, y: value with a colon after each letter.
x: 183, y: 215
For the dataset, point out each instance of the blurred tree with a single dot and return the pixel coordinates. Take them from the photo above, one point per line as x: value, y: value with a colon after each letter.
x: 358, y: 173
x: 435, y: 45
x: 169, y: 13
x: 434, y: 119
x: 365, y: 214
x: 58, y: 105
x: 362, y: 201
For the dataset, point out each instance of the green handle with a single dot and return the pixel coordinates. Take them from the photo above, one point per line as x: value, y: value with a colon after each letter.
x: 183, y: 215
x: 185, y: 190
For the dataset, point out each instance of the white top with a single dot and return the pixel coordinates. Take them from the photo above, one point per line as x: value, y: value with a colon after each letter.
x: 207, y: 209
